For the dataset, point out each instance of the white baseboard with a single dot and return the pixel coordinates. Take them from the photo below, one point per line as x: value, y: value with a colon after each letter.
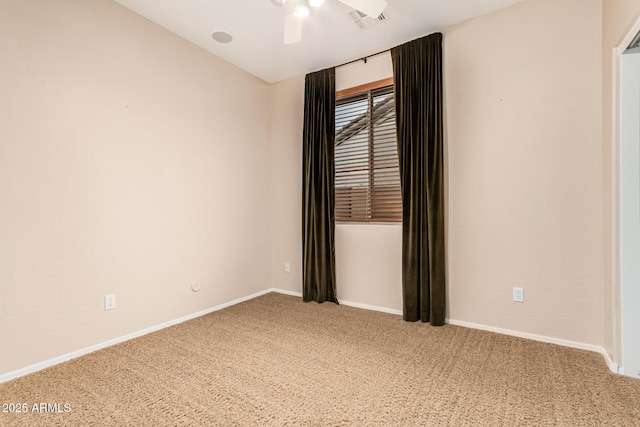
x: 60, y: 359
x: 613, y: 367
x: 349, y: 303
x: 371, y: 307
x: 75, y: 354
x: 282, y: 291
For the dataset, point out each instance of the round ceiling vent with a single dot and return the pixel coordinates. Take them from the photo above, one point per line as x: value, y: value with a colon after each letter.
x: 222, y: 36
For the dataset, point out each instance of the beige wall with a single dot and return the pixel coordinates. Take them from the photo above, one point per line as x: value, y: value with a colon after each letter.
x: 618, y: 20
x: 131, y: 162
x: 287, y: 103
x: 369, y: 265
x: 523, y: 91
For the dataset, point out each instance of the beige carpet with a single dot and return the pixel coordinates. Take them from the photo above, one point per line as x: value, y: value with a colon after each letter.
x: 277, y: 361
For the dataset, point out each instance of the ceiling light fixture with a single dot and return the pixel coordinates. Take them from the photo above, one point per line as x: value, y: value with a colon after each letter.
x: 293, y: 21
x: 301, y: 10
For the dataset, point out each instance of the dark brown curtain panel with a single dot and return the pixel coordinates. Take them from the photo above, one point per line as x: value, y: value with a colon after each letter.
x: 318, y: 201
x: 417, y: 70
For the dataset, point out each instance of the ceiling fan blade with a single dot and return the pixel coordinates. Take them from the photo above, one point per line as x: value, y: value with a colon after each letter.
x: 371, y: 8
x: 292, y: 29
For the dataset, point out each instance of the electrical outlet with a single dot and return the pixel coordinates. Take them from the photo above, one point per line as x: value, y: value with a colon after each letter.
x: 287, y: 267
x: 518, y: 295
x: 109, y: 302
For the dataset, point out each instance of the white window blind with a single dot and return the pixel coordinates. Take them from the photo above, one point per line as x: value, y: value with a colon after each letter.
x: 367, y: 179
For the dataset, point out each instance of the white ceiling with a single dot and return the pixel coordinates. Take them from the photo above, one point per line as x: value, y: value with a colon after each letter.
x: 329, y: 35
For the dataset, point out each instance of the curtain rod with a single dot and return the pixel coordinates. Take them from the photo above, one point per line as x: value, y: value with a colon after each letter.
x: 364, y: 58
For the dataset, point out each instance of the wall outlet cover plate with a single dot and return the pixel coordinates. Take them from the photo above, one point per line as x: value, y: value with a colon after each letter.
x: 109, y: 302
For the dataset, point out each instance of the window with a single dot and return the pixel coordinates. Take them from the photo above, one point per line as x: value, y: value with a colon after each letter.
x: 367, y: 178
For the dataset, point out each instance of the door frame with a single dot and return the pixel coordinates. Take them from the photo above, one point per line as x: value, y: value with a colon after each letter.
x: 621, y: 219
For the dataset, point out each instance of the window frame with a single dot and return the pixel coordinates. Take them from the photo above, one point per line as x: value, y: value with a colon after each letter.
x: 354, y: 92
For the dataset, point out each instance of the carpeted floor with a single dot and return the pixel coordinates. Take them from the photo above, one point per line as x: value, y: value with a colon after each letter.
x: 277, y: 361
